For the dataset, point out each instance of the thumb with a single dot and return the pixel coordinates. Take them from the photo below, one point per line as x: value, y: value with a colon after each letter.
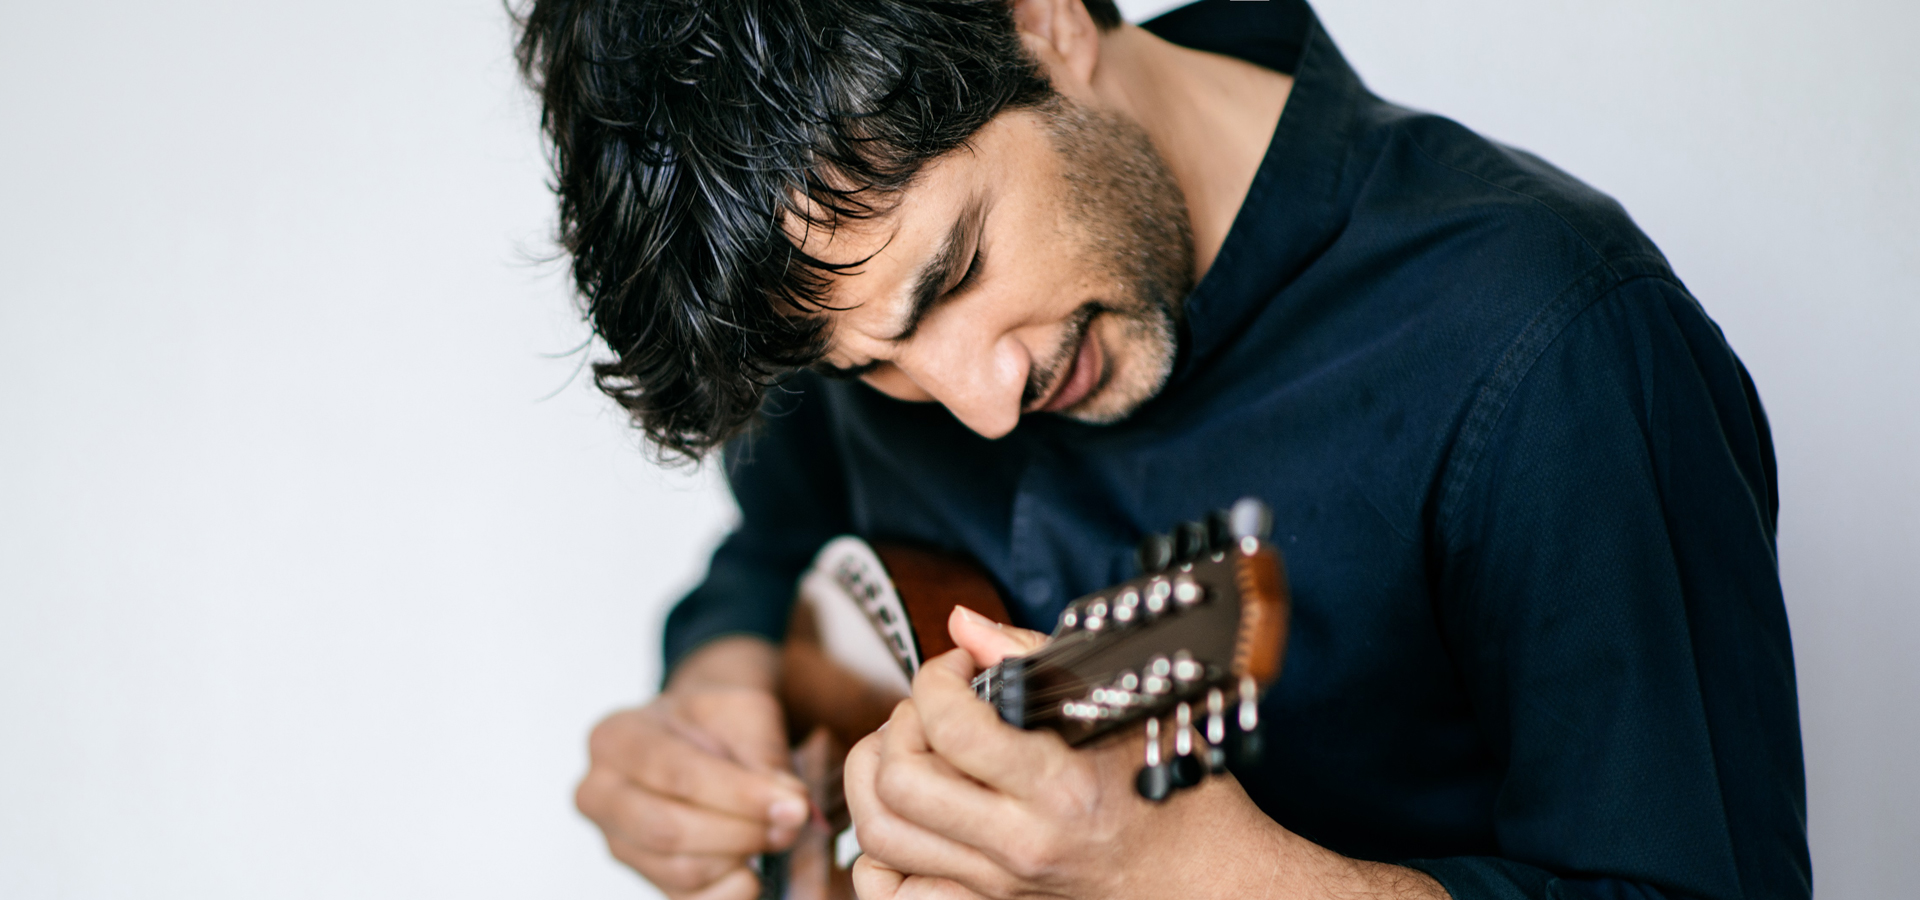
x: 987, y: 641
x: 749, y: 727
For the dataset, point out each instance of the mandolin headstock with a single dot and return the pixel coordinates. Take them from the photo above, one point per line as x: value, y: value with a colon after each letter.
x: 1197, y: 636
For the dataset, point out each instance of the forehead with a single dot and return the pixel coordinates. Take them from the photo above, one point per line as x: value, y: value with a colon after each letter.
x: 888, y: 251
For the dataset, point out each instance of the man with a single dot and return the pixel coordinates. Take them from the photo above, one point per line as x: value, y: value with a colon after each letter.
x: 1069, y: 281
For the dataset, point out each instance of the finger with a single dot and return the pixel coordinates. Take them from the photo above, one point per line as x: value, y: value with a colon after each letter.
x: 748, y: 725
x: 663, y: 763
x: 874, y: 881
x: 920, y: 787
x: 662, y: 824
x: 675, y: 874
x: 988, y: 641
x: 970, y: 735
x: 740, y: 885
x: 897, y: 843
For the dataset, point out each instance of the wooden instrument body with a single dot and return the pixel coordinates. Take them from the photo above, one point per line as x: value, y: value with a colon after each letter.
x: 831, y: 704
x: 867, y: 616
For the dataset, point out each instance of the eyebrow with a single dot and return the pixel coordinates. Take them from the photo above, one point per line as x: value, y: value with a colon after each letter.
x: 931, y: 285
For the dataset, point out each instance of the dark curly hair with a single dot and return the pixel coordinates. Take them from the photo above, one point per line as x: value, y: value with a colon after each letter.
x: 686, y: 133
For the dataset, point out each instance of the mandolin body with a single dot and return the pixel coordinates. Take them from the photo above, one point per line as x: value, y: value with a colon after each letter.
x: 1207, y: 618
x: 865, y: 617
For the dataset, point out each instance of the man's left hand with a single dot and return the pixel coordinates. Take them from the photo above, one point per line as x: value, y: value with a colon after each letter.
x: 949, y: 802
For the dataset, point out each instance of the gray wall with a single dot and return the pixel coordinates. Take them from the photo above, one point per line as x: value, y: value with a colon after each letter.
x: 309, y: 589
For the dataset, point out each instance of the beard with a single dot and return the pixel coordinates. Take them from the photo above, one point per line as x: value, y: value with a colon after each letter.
x: 1130, y: 221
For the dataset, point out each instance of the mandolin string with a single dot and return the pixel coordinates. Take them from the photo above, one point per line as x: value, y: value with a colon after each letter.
x: 1068, y: 658
x: 1041, y: 701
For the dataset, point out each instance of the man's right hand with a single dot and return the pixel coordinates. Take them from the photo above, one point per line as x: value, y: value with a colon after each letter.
x: 690, y: 786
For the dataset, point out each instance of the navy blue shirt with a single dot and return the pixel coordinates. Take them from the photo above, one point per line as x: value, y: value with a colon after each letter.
x: 1524, y: 488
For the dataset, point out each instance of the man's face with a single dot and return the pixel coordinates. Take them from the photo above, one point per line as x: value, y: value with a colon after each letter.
x: 1040, y: 269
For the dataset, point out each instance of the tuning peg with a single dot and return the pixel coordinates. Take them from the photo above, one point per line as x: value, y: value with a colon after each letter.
x: 1189, y: 541
x: 1216, y: 731
x: 1246, y: 745
x: 1154, y: 554
x: 1155, y: 781
x: 1187, y: 770
x: 1220, y: 530
x: 1249, y: 518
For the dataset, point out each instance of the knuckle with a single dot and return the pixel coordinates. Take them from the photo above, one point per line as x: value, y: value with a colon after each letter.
x: 628, y: 857
x: 586, y: 797
x: 660, y: 832
x: 1005, y: 887
x: 1033, y: 858
x: 659, y: 771
x: 893, y: 784
x: 683, y: 873
x: 866, y: 882
x: 604, y: 740
x: 879, y: 837
x: 613, y: 737
x: 867, y: 750
x: 949, y: 733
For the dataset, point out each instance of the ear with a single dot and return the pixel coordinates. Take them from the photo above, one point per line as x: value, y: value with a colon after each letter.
x: 1062, y: 35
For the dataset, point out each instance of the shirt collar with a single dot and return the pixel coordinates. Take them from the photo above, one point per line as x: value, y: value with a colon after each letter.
x: 1293, y: 209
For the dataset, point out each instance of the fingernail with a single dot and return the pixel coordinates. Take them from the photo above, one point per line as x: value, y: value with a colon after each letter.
x: 787, y: 813
x: 972, y: 616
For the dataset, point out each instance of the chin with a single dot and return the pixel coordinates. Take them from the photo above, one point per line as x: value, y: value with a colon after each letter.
x: 1142, y: 359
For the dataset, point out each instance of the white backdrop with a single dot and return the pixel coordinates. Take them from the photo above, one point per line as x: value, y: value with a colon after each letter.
x: 309, y: 589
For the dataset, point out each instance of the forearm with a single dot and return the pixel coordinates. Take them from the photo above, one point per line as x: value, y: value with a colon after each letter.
x: 1277, y: 864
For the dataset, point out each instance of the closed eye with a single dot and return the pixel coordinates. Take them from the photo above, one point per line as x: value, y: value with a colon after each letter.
x: 967, y: 279
x: 934, y: 286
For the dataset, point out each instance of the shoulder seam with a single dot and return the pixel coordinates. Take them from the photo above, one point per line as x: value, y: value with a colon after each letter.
x: 1490, y: 400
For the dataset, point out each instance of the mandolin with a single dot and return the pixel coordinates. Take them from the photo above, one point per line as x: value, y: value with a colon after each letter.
x: 1195, y: 638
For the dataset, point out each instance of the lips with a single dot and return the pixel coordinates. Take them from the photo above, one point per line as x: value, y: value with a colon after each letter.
x: 1081, y: 379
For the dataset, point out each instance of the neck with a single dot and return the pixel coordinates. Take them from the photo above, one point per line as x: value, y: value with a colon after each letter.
x: 1210, y: 116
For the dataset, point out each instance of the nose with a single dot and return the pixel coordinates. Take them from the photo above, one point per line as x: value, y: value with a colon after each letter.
x: 981, y: 382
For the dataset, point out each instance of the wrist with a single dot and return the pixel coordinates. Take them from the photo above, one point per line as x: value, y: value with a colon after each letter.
x: 1252, y: 855
x: 1334, y: 875
x: 736, y: 661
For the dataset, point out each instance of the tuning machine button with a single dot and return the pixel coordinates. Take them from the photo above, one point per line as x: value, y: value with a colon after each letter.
x: 1187, y: 591
x: 1159, y: 591
x: 1155, y: 780
x: 1095, y: 616
x: 1186, y: 768
x: 1216, y: 731
x: 1157, y: 677
x: 1220, y: 530
x: 1186, y: 670
x: 1154, y: 553
x: 1189, y: 541
x: 1249, y: 518
x: 1126, y: 607
x: 1245, y: 746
